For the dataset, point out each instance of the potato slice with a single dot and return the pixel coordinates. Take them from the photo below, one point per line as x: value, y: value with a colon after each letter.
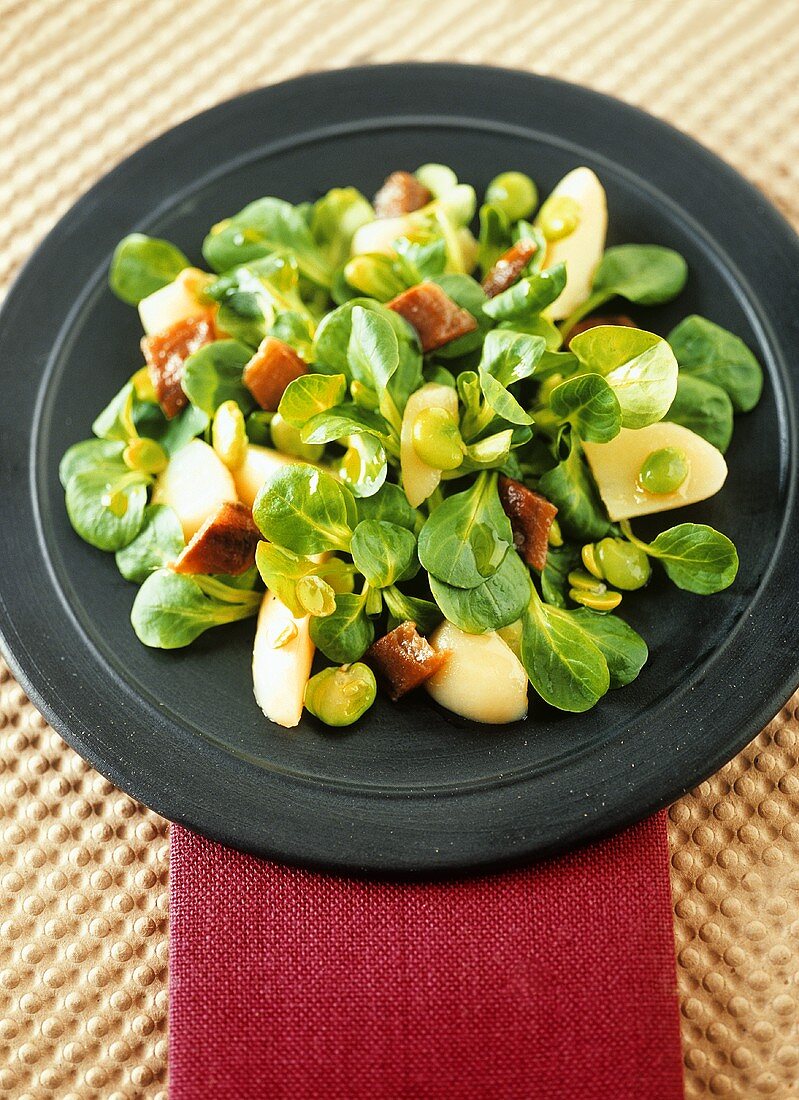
x: 418, y: 479
x: 178, y: 301
x: 195, y: 484
x: 616, y: 466
x: 582, y: 250
x: 281, y: 662
x: 379, y: 235
x: 259, y: 464
x: 482, y: 679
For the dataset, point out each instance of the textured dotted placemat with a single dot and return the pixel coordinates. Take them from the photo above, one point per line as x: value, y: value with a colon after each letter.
x: 83, y: 868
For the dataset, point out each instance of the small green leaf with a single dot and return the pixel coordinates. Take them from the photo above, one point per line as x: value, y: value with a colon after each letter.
x: 335, y: 218
x: 466, y: 538
x: 529, y: 296
x: 345, y: 635
x: 364, y: 466
x: 391, y: 505
x: 384, y: 552
x: 501, y: 400
x: 213, y: 375
x: 116, y: 420
x: 643, y: 273
x: 265, y: 226
x: 141, y: 265
x: 309, y: 395
x: 373, y: 349
x: 624, y: 650
x: 106, y: 505
x: 305, y: 510
x: 570, y: 487
x: 158, y: 543
x: 696, y: 557
x: 90, y: 454
x: 565, y: 666
x: 495, y: 236
x: 555, y: 584
x: 704, y: 408
x: 712, y: 354
x: 589, y: 404
x: 171, y: 610
x: 495, y: 603
x: 402, y: 608
x: 639, y: 366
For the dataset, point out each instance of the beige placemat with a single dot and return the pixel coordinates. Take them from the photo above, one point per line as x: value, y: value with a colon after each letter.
x: 83, y: 868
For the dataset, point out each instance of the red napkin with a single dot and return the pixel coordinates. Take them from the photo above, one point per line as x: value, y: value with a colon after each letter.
x: 553, y: 982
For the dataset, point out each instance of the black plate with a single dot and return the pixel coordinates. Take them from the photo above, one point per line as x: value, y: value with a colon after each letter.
x: 410, y: 789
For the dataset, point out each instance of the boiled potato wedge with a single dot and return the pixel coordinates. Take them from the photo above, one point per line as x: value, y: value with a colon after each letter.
x: 195, y: 484
x: 177, y: 301
x: 259, y: 464
x: 582, y: 250
x: 616, y: 466
x: 482, y: 679
x: 418, y: 479
x: 281, y: 662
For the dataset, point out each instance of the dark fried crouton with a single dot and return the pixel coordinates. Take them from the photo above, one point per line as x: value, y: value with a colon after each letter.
x: 270, y: 370
x: 404, y: 659
x: 509, y: 267
x: 167, y: 351
x: 400, y: 194
x: 530, y: 516
x: 224, y: 544
x: 437, y: 319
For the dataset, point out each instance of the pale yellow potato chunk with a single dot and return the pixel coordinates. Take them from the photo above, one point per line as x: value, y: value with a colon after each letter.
x: 379, y: 235
x: 482, y: 679
x: 616, y: 466
x: 418, y: 479
x: 281, y: 662
x: 582, y: 250
x: 175, y: 302
x: 259, y: 464
x: 194, y: 484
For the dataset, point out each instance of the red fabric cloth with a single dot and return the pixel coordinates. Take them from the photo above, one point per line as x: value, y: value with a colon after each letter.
x: 553, y: 982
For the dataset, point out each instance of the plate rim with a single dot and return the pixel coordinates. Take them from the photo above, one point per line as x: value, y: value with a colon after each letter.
x: 34, y: 680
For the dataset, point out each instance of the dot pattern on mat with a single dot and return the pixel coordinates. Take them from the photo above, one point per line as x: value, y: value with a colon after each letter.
x: 82, y: 868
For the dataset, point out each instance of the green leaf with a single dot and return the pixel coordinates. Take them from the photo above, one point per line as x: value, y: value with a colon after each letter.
x: 90, y: 454
x: 116, y: 420
x: 712, y: 354
x: 704, y: 408
x: 305, y: 510
x: 213, y: 375
x: 345, y: 635
x: 419, y: 260
x: 529, y: 296
x: 639, y: 366
x: 625, y: 651
x: 390, y: 505
x: 495, y: 603
x: 570, y: 487
x: 589, y: 404
x: 384, y: 552
x: 335, y: 218
x: 293, y: 329
x: 342, y: 421
x: 535, y: 326
x: 332, y: 339
x: 309, y: 395
x: 105, y: 504
x: 511, y: 356
x: 280, y: 571
x: 159, y: 542
x: 495, y: 236
x: 565, y: 666
x: 171, y: 610
x: 555, y: 584
x: 643, y: 273
x: 696, y: 557
x: 425, y: 614
x: 466, y: 538
x: 364, y: 466
x: 171, y: 434
x: 501, y: 400
x: 493, y: 451
x: 373, y: 349
x: 265, y: 226
x: 141, y: 265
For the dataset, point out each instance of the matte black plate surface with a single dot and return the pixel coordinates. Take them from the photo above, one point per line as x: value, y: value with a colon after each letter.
x: 410, y: 789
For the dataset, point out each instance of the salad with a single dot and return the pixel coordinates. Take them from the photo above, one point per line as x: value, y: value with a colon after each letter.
x: 405, y: 437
